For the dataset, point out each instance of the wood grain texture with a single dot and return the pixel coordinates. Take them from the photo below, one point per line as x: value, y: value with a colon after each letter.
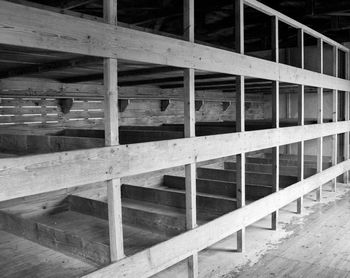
x: 29, y: 175
x: 88, y: 38
x: 142, y: 264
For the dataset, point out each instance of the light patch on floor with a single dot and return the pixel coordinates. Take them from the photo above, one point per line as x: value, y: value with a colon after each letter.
x: 221, y: 259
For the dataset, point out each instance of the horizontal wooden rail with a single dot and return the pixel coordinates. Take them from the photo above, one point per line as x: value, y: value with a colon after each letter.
x: 166, y: 254
x: 34, y: 89
x: 36, y: 174
x: 11, y: 88
x: 271, y: 12
x: 22, y: 26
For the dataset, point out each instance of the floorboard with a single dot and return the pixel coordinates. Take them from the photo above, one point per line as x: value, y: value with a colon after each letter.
x: 23, y: 258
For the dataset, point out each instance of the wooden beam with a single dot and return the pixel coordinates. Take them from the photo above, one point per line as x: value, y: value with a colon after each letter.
x: 30, y: 175
x: 125, y: 73
x: 43, y: 88
x: 301, y: 116
x: 190, y: 130
x: 347, y: 115
x: 240, y: 119
x: 319, y: 117
x: 111, y: 120
x: 88, y: 38
x: 275, y: 117
x: 157, y: 258
x: 335, y: 114
x: 36, y: 88
x: 346, y: 135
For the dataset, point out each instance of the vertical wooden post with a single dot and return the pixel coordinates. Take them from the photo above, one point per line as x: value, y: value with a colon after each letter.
x: 335, y: 116
x: 347, y: 115
x: 43, y: 110
x: 288, y: 116
x: 301, y: 98
x: 240, y: 118
x: 320, y: 119
x: 190, y: 128
x: 112, y: 139
x: 346, y: 135
x: 275, y: 118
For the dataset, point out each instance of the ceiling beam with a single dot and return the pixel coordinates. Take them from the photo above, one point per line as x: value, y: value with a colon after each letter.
x: 99, y: 76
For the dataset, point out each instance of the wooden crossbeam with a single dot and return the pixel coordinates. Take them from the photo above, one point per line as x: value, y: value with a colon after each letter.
x: 125, y: 73
x: 88, y: 38
x: 30, y: 175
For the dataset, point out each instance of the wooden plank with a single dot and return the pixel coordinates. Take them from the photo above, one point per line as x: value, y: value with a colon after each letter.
x: 152, y: 217
x: 30, y: 175
x: 190, y: 130
x: 76, y: 35
x: 275, y: 117
x: 251, y: 177
x: 346, y: 134
x: 347, y: 115
x: 319, y: 116
x: 240, y: 119
x: 215, y: 187
x: 31, y: 88
x: 47, y: 234
x: 335, y: 114
x: 158, y: 257
x: 111, y: 121
x: 290, y: 170
x: 301, y: 116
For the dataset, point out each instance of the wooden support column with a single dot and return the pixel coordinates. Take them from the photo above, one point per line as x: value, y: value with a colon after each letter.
x: 347, y: 115
x: 319, y: 118
x: 240, y: 118
x: 112, y: 139
x: 190, y: 131
x: 275, y: 118
x: 346, y: 135
x: 301, y: 99
x: 335, y: 116
x: 43, y: 110
x: 288, y: 97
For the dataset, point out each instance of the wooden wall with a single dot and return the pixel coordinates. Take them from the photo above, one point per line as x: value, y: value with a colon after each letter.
x: 138, y: 112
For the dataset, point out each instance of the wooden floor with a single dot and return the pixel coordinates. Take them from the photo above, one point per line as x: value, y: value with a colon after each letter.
x: 319, y: 248
x: 22, y: 258
x: 315, y: 244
